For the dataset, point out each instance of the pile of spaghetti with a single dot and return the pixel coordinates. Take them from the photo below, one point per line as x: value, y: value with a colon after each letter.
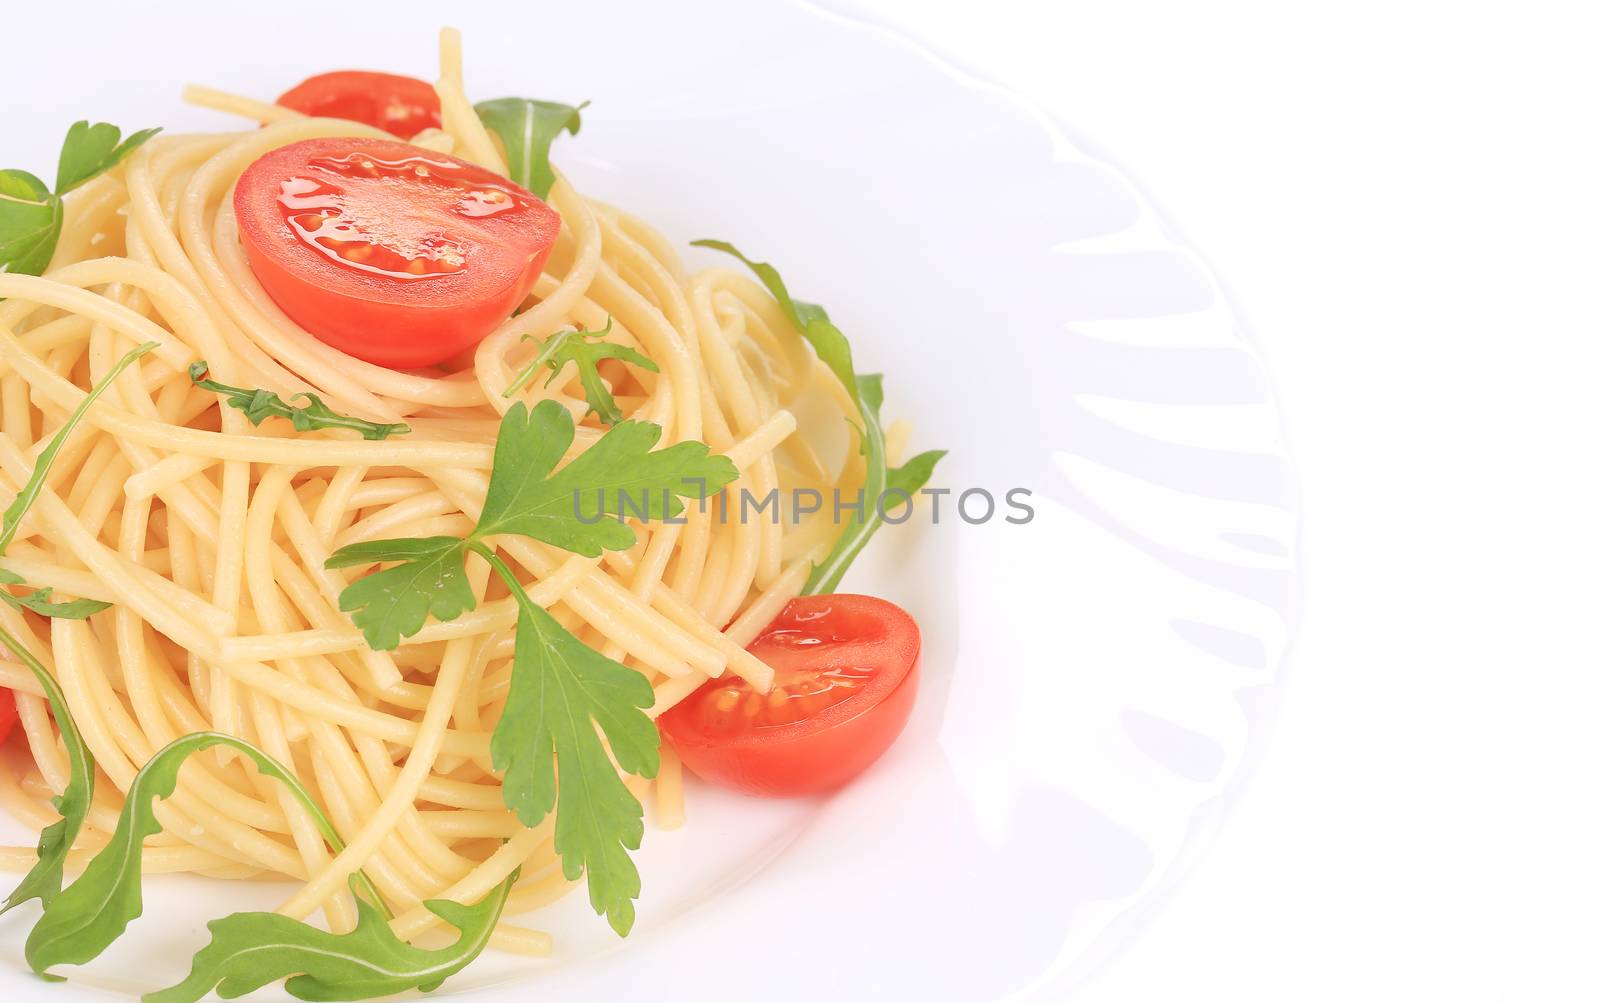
x: 181, y: 559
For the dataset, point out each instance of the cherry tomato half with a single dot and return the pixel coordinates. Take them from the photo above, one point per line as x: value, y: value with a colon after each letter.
x: 402, y: 105
x: 846, y: 677
x: 8, y: 714
x: 392, y: 253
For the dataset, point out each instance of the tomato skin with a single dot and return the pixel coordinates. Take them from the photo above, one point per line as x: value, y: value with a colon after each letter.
x: 8, y: 713
x: 825, y: 750
x: 381, y: 316
x: 402, y: 105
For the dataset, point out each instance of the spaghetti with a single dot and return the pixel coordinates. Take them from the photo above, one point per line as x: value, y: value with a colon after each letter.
x: 209, y: 535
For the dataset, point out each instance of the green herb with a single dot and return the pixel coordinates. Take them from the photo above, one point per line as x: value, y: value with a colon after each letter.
x: 31, y: 214
x: 911, y: 475
x: 575, y: 347
x: 560, y: 688
x: 251, y: 949
x: 82, y: 921
x: 867, y: 391
x: 91, y: 150
x: 30, y: 222
x: 259, y: 405
x: 431, y: 578
x: 38, y: 601
x: 621, y: 474
x: 576, y: 508
x: 527, y: 128
x: 30, y: 491
x: 43, y: 881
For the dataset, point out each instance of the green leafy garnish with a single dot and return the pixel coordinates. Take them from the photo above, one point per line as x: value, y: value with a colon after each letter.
x: 576, y: 508
x: 560, y: 688
x: 622, y: 474
x: 259, y: 405
x: 30, y: 491
x: 43, y: 881
x: 30, y: 222
x: 527, y: 128
x: 911, y: 475
x: 38, y: 601
x: 576, y: 347
x: 82, y: 921
x: 251, y: 949
x: 833, y: 348
x: 91, y: 150
x: 31, y: 214
x: 431, y: 578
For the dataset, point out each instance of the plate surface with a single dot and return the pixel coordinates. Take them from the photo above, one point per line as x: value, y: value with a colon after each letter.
x: 1092, y: 677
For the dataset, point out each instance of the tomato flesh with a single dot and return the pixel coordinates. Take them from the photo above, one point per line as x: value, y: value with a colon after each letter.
x: 402, y: 105
x: 8, y: 713
x: 394, y: 254
x: 845, y: 679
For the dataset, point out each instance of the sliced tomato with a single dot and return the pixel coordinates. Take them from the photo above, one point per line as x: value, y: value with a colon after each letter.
x: 846, y: 670
x: 8, y: 714
x: 392, y: 253
x: 402, y: 105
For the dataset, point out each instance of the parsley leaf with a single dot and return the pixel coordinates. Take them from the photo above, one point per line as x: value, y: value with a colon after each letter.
x: 30, y: 222
x: 577, y: 508
x: 575, y: 347
x: 43, y: 881
x: 560, y: 689
x: 31, y: 215
x: 431, y: 578
x: 527, y: 128
x: 618, y: 475
x: 82, y: 921
x: 91, y: 150
x: 833, y: 348
x: 250, y: 949
x: 259, y: 405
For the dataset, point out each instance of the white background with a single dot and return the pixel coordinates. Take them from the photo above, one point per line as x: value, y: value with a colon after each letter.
x: 1402, y: 200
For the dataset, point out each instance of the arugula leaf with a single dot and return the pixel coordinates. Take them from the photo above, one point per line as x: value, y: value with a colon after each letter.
x: 567, y: 509
x: 30, y: 215
x: 431, y: 578
x: 43, y: 880
x: 574, y: 346
x: 91, y: 150
x: 833, y: 348
x: 38, y: 601
x: 560, y: 690
x: 527, y: 128
x: 259, y: 405
x: 250, y: 949
x: 30, y: 223
x: 911, y: 475
x: 82, y: 921
x: 30, y: 491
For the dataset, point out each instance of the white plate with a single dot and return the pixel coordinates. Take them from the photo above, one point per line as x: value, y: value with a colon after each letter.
x: 1092, y: 678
